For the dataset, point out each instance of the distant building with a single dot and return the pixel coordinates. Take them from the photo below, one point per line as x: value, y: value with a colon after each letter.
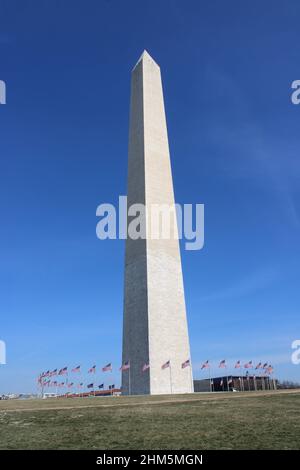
x: 49, y: 395
x: 231, y: 383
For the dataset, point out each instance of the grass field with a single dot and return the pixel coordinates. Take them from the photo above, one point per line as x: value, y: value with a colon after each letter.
x: 255, y: 420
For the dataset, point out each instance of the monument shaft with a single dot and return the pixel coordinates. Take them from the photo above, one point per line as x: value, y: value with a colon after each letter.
x: 155, y: 326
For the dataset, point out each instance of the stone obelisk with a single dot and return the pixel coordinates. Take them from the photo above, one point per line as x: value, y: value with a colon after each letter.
x: 155, y: 328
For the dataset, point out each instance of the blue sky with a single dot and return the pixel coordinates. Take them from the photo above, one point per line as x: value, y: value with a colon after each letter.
x: 227, y: 70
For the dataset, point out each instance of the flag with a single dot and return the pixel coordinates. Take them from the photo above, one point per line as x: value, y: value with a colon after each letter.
x: 63, y: 371
x: 205, y: 365
x: 54, y: 372
x: 222, y: 364
x: 265, y: 365
x: 101, y: 386
x: 107, y: 367
x: 92, y: 370
x: 166, y: 365
x: 70, y: 384
x: 76, y: 369
x: 125, y: 366
x: 185, y: 364
x: 90, y: 386
x: 259, y: 365
x: 145, y: 367
x: 248, y: 365
x: 111, y: 387
x: 237, y: 365
x: 48, y: 373
x: 270, y: 369
x: 80, y: 385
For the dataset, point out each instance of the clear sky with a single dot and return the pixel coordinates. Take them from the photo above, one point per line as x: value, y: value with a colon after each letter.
x: 227, y: 70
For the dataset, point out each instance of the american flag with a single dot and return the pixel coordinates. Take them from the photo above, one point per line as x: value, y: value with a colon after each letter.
x: 248, y: 365
x: 270, y: 369
x: 259, y: 365
x: 92, y: 370
x: 54, y: 372
x: 205, y: 365
x: 90, y: 386
x: 222, y: 364
x: 185, y: 364
x: 145, y: 367
x: 101, y: 386
x: 237, y: 365
x: 125, y: 366
x: 111, y: 387
x: 70, y: 384
x: 166, y: 365
x: 80, y: 385
x: 265, y: 365
x: 107, y: 367
x: 63, y: 371
x: 76, y: 369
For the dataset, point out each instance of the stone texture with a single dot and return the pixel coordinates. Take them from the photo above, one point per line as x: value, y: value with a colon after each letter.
x: 155, y: 325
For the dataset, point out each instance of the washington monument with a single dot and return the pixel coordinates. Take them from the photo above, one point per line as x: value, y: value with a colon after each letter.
x: 155, y: 332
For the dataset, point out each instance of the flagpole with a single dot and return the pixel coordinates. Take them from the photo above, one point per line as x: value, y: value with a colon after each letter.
x: 274, y: 381
x: 129, y: 379
x: 191, y: 374
x: 210, y: 388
